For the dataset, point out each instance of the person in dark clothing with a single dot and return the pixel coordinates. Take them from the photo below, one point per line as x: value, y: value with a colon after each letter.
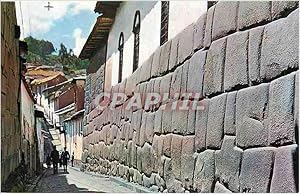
x: 54, y: 159
x: 48, y: 161
x: 60, y: 160
x: 65, y: 157
x: 72, y: 159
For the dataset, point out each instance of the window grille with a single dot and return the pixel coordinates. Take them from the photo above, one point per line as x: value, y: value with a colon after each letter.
x: 136, y: 31
x: 164, y: 22
x: 120, y: 48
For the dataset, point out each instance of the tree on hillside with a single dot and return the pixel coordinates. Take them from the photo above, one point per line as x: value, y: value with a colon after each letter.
x: 41, y: 52
x: 39, y: 47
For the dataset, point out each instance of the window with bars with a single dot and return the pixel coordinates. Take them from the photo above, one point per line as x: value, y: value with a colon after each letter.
x: 136, y: 31
x: 120, y: 48
x: 164, y: 22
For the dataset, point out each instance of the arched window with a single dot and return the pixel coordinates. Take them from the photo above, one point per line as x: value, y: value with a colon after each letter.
x: 136, y: 31
x: 164, y: 22
x: 120, y: 48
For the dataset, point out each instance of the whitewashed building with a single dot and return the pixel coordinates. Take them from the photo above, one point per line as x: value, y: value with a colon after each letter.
x: 127, y: 33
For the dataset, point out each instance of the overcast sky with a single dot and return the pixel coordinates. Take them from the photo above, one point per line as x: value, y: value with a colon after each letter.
x: 69, y: 22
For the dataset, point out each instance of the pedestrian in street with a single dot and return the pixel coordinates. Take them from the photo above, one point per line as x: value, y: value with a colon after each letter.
x: 65, y: 158
x: 72, y: 159
x: 54, y: 159
x: 48, y: 161
x: 60, y: 160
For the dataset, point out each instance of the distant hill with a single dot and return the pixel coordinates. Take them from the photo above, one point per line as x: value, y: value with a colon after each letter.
x: 42, y: 52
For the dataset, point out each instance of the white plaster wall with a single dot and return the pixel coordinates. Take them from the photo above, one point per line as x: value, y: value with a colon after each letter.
x: 182, y: 14
x: 27, y: 106
x: 149, y: 35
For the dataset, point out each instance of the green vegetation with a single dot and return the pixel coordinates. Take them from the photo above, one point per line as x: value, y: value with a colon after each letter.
x: 42, y: 52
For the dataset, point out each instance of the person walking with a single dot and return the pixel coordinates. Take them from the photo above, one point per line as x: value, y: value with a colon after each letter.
x: 72, y: 159
x: 55, y: 159
x: 65, y: 158
x: 48, y: 161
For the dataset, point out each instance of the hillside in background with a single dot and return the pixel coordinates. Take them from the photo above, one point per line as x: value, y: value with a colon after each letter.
x: 42, y: 52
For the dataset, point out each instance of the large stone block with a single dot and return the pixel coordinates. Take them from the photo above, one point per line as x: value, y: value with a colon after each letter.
x: 228, y: 161
x: 179, y: 120
x: 196, y: 73
x: 283, y: 8
x: 168, y: 173
x: 147, y: 159
x: 157, y: 146
x: 165, y: 84
x: 167, y: 120
x: 199, y: 30
x: 184, y: 77
x: 236, y: 63
x: 191, y: 123
x: 256, y: 170
x: 173, y: 62
x: 208, y: 27
x: 219, y: 188
x: 139, y: 159
x: 143, y: 129
x: 145, y: 69
x: 176, y: 83
x: 280, y: 46
x: 253, y: 13
x: 155, y: 70
x: 176, y: 147
x: 187, y: 161
x: 254, y: 50
x: 149, y: 132
x: 229, y: 123
x: 225, y: 18
x: 251, y: 116
x: 167, y: 145
x: 158, y: 121
x: 146, y: 181
x: 201, y: 126
x: 134, y: 156
x: 281, y: 115
x: 215, y: 122
x: 204, y: 172
x: 185, y: 46
x: 165, y: 57
x: 214, y: 68
x: 285, y: 177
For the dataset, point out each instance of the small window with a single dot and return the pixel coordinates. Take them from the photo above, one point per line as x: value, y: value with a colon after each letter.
x: 211, y: 3
x: 120, y: 48
x: 164, y: 22
x: 136, y: 31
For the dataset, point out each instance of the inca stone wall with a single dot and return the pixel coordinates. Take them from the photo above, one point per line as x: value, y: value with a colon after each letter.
x: 242, y: 57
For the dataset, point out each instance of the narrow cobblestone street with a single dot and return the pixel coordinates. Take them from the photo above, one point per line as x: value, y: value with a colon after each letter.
x: 76, y: 181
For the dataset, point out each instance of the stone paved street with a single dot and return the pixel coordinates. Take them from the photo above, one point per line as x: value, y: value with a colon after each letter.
x: 76, y: 181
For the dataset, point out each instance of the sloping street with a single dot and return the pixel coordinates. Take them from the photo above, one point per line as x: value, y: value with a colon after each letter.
x: 75, y: 181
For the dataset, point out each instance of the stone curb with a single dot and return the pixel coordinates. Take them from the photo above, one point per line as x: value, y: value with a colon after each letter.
x: 36, y: 181
x: 134, y: 187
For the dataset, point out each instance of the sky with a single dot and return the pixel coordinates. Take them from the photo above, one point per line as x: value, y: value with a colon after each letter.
x: 68, y: 22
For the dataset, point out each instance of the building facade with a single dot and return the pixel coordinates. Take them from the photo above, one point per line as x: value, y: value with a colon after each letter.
x: 118, y: 42
x: 10, y: 94
x: 28, y: 128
